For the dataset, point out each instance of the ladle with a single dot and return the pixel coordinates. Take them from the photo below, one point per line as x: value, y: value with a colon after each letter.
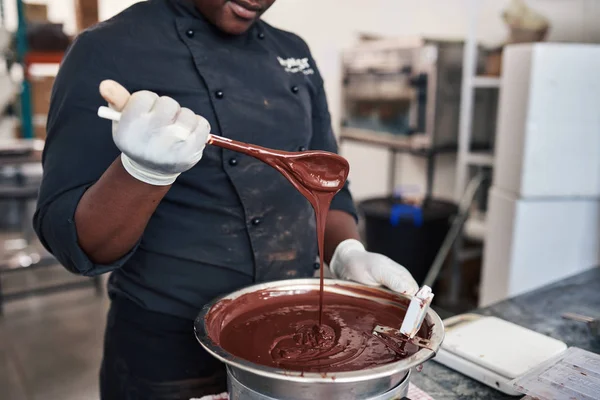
x: 318, y: 170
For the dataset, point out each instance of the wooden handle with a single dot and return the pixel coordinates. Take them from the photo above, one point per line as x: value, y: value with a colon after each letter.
x: 115, y: 94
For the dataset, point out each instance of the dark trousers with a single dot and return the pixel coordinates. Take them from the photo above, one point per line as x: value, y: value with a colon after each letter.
x: 152, y: 356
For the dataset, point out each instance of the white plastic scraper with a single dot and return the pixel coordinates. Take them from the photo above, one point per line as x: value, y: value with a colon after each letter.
x: 415, y: 314
x: 417, y: 310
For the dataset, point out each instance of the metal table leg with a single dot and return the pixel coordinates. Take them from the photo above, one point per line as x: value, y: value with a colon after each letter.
x: 392, y: 172
x: 430, y: 175
x: 456, y: 270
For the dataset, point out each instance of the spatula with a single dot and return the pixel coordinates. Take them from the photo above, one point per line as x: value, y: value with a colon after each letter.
x: 413, y: 320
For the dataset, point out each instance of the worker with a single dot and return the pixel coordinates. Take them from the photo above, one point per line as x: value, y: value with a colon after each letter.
x: 177, y: 223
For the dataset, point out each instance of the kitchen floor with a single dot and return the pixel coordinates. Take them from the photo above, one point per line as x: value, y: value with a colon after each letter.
x: 50, y: 346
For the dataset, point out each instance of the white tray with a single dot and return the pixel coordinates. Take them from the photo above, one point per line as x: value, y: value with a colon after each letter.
x: 494, y: 351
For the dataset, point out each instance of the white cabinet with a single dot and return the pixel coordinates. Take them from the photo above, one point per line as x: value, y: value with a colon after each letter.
x: 548, y: 138
x: 532, y: 243
x: 543, y: 214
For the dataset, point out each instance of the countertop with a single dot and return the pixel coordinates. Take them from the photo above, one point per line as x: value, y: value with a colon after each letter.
x: 540, y: 311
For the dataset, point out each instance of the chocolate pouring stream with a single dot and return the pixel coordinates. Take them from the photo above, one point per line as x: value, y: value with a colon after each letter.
x: 318, y: 175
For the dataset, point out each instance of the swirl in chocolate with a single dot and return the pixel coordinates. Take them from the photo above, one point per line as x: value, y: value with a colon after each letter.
x: 281, y: 330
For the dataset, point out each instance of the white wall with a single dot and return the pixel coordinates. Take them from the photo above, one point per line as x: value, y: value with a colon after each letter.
x: 331, y: 25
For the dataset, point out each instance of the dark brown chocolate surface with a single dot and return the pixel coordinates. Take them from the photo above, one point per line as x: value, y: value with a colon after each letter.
x: 281, y: 330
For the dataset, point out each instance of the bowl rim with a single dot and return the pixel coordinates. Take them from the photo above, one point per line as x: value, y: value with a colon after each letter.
x: 303, y: 285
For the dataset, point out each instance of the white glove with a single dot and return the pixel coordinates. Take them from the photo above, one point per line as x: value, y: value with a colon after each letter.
x: 351, y: 261
x: 157, y: 137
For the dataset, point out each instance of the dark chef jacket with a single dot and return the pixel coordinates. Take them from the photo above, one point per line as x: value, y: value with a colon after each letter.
x: 229, y: 221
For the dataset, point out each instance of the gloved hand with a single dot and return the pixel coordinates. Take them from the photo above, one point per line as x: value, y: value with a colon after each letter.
x: 157, y: 137
x: 351, y: 261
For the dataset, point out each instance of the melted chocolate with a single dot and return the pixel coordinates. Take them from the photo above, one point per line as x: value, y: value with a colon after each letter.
x: 314, y: 331
x: 278, y: 329
x: 318, y: 175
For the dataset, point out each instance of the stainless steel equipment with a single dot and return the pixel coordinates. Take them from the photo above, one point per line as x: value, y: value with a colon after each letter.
x: 280, y: 384
x: 412, y: 88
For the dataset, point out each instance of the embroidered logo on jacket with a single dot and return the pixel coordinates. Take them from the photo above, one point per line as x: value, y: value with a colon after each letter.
x: 296, y: 65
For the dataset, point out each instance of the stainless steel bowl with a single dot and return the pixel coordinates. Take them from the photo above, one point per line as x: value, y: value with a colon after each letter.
x: 238, y: 391
x: 293, y: 385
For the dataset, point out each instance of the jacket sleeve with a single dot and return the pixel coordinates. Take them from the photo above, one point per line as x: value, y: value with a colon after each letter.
x: 78, y: 149
x: 323, y: 138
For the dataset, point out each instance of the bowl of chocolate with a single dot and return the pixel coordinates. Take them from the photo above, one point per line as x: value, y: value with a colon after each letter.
x: 289, y: 340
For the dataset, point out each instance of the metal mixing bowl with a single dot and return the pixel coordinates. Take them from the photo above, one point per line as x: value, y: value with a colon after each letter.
x: 293, y: 385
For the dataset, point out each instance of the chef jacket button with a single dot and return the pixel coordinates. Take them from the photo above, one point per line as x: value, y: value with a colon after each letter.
x: 190, y: 33
x: 219, y: 94
x: 233, y: 162
x: 317, y: 266
x: 295, y: 89
x: 301, y: 148
x: 256, y: 221
x: 261, y: 35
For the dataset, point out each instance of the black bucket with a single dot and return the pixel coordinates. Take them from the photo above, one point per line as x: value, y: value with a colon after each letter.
x: 410, y: 235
